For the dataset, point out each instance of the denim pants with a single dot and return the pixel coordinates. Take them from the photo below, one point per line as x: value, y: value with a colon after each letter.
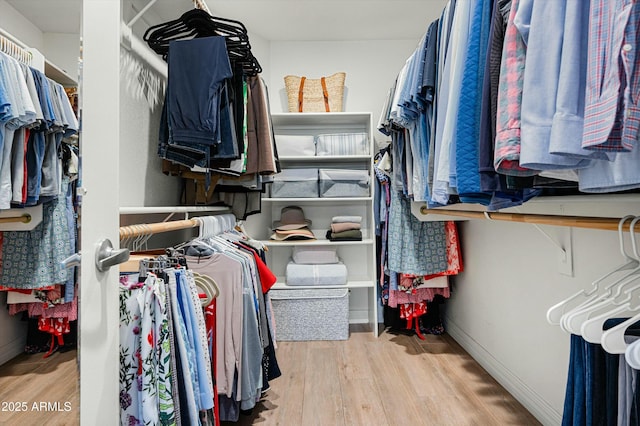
x: 574, y: 400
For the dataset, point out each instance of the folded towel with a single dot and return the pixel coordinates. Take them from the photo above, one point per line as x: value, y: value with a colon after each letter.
x: 315, y: 255
x: 351, y: 235
x: 333, y: 274
x: 344, y: 226
x: 339, y: 219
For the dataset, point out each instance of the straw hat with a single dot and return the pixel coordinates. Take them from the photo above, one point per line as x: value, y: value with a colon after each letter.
x: 293, y: 234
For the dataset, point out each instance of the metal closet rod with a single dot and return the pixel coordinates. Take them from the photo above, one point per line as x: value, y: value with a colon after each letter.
x: 156, y: 228
x: 24, y: 218
x: 587, y: 222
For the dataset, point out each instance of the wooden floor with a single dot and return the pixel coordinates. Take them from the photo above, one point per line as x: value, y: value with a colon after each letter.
x: 392, y: 380
x: 37, y: 391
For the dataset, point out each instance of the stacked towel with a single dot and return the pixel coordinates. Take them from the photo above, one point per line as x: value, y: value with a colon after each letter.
x: 345, y: 228
x: 315, y: 265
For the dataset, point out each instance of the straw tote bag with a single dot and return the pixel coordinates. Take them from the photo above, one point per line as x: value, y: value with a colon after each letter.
x: 315, y: 95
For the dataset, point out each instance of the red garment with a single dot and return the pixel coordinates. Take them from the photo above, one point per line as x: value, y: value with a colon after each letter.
x: 267, y: 278
x: 57, y: 327
x: 454, y: 257
x: 64, y: 310
x: 210, y: 323
x: 397, y: 297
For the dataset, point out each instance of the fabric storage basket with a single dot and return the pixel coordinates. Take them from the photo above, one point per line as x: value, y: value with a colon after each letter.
x: 296, y: 145
x: 311, y: 314
x: 327, y: 274
x: 342, y: 144
x: 315, y: 255
x: 344, y: 183
x: 295, y: 183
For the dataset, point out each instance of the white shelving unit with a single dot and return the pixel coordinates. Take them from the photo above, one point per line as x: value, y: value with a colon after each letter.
x: 358, y: 256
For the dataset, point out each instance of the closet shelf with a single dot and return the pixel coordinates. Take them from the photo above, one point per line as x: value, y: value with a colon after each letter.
x: 281, y: 285
x: 316, y: 200
x: 318, y: 242
x: 587, y: 206
x: 172, y: 209
x: 327, y: 158
x: 319, y: 119
x: 58, y: 74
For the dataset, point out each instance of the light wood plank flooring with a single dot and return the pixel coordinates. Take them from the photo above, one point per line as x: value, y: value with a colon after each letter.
x: 392, y: 380
x: 51, y: 384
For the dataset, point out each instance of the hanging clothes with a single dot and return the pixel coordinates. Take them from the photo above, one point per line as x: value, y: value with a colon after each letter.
x: 36, y: 118
x: 520, y: 78
x: 226, y: 130
x: 217, y: 358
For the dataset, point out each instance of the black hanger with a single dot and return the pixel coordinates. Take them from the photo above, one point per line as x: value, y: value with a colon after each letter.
x: 197, y: 23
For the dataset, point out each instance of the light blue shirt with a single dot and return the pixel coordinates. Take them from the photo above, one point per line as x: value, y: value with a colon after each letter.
x: 203, y: 394
x: 568, y: 120
x: 541, y: 24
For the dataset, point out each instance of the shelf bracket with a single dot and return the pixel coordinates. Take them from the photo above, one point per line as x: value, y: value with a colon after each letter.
x: 564, y: 246
x: 142, y: 12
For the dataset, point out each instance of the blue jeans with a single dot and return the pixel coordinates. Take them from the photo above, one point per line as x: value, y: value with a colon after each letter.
x: 574, y: 400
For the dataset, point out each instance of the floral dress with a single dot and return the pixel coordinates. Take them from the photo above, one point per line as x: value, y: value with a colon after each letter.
x: 146, y: 390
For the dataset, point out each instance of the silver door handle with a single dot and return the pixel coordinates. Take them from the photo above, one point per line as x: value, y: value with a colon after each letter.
x: 107, y: 256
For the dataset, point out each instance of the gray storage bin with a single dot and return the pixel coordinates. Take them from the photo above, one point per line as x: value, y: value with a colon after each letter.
x: 342, y: 144
x: 295, y: 183
x: 296, y: 145
x: 311, y: 314
x: 326, y: 274
x: 344, y: 183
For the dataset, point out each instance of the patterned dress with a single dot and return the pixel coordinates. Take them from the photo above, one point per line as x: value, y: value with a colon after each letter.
x: 414, y: 247
x: 146, y: 389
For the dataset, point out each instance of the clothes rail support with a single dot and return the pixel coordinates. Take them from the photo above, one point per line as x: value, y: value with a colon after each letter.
x: 25, y: 218
x: 155, y: 228
x: 585, y: 222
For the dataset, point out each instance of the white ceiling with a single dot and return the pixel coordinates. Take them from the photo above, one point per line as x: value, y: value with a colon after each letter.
x: 274, y: 20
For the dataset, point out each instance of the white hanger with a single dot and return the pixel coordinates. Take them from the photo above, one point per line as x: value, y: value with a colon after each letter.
x: 555, y: 313
x: 632, y: 355
x: 572, y: 321
x: 613, y: 340
x: 591, y: 329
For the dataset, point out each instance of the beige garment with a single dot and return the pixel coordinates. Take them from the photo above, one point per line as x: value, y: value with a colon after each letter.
x: 344, y: 226
x: 260, y: 156
x: 228, y: 274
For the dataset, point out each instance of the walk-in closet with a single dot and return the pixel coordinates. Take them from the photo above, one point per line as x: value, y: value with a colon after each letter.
x: 319, y: 212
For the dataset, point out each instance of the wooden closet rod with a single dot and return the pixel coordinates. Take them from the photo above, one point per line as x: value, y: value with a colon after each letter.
x: 25, y: 218
x: 131, y: 231
x: 601, y: 223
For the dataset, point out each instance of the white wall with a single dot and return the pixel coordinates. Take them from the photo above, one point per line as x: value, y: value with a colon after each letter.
x: 498, y: 306
x: 141, y: 180
x: 261, y: 49
x: 17, y: 25
x: 63, y: 50
x: 14, y: 332
x: 371, y: 68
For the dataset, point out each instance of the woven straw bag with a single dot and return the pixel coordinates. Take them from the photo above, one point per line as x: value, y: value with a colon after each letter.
x: 315, y: 95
